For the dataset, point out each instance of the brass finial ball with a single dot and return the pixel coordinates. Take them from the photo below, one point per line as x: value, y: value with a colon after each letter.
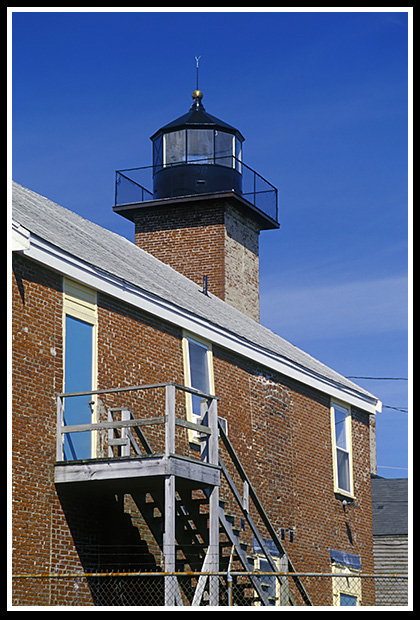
x: 197, y: 94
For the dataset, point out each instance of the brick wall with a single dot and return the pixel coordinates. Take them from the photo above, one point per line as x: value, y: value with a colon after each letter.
x: 41, y: 540
x: 36, y: 375
x: 241, y: 255
x: 279, y: 428
x: 282, y: 431
x: 206, y: 238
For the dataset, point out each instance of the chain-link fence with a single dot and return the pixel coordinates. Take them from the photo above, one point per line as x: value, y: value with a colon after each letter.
x: 208, y: 589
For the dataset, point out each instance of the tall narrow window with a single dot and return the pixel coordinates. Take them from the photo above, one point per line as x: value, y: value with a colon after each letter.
x: 198, y: 370
x: 341, y: 435
x: 79, y: 329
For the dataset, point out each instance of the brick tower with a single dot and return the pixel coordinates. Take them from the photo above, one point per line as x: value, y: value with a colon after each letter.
x: 207, y: 207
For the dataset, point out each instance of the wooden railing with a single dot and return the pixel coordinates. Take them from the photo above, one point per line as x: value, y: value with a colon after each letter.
x: 128, y: 438
x: 129, y: 425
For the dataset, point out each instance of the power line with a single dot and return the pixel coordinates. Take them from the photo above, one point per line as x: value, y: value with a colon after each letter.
x: 379, y: 378
x: 391, y: 467
x: 401, y: 409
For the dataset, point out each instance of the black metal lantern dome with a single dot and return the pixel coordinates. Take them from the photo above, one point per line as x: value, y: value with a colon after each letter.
x: 196, y: 154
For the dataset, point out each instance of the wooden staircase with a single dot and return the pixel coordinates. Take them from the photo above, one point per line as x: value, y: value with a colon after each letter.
x: 192, y: 530
x: 179, y: 497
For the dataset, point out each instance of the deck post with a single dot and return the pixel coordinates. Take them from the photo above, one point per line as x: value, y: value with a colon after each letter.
x: 125, y: 449
x: 169, y: 541
x: 170, y: 420
x: 170, y: 511
x: 213, y: 457
x: 60, y: 422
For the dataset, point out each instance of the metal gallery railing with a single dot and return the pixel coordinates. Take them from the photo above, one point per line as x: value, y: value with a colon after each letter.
x: 132, y: 185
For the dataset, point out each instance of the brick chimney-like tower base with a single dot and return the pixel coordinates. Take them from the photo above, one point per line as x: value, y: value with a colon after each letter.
x: 206, y: 236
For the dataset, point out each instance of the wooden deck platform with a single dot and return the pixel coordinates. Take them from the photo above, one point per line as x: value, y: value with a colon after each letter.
x: 130, y: 468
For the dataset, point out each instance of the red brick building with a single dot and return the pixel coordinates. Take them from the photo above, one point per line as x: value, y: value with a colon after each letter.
x: 129, y: 472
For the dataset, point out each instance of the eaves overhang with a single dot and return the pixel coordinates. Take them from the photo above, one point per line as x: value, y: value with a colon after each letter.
x: 68, y: 265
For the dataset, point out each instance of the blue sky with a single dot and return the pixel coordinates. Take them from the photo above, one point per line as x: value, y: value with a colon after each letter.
x: 322, y: 99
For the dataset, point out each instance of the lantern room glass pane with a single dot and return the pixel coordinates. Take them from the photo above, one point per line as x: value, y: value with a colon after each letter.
x: 175, y: 147
x: 200, y: 146
x: 157, y: 153
x: 238, y: 155
x: 223, y: 148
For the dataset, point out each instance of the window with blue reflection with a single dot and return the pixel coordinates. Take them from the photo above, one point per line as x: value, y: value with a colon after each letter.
x: 347, y: 600
x: 78, y: 378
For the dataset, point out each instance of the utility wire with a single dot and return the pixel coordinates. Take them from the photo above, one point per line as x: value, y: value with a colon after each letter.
x: 380, y: 378
x: 401, y: 409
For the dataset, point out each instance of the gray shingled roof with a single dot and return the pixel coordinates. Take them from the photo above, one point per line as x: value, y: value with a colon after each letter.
x: 115, y: 255
x: 390, y: 506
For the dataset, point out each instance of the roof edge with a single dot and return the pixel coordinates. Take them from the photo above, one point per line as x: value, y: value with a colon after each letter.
x: 59, y: 260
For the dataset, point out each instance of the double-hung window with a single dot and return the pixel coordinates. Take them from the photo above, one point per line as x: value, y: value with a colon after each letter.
x: 198, y: 372
x: 79, y: 337
x: 342, y: 452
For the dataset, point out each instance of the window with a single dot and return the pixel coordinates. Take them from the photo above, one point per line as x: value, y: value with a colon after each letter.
x: 157, y: 154
x: 79, y: 336
x: 342, y: 454
x: 223, y: 148
x: 198, y: 373
x: 238, y: 155
x: 200, y: 147
x: 174, y: 147
x: 347, y: 587
x: 347, y: 600
x: 276, y: 591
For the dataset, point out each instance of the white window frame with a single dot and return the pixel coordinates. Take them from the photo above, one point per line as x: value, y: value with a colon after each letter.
x: 186, y: 339
x: 80, y: 302
x: 348, y: 450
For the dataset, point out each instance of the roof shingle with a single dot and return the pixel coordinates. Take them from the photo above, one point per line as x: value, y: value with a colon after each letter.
x: 115, y: 255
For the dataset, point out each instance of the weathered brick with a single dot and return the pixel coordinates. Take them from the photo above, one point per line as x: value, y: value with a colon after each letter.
x: 279, y: 428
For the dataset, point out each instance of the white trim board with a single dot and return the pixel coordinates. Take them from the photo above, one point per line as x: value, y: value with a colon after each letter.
x: 53, y: 257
